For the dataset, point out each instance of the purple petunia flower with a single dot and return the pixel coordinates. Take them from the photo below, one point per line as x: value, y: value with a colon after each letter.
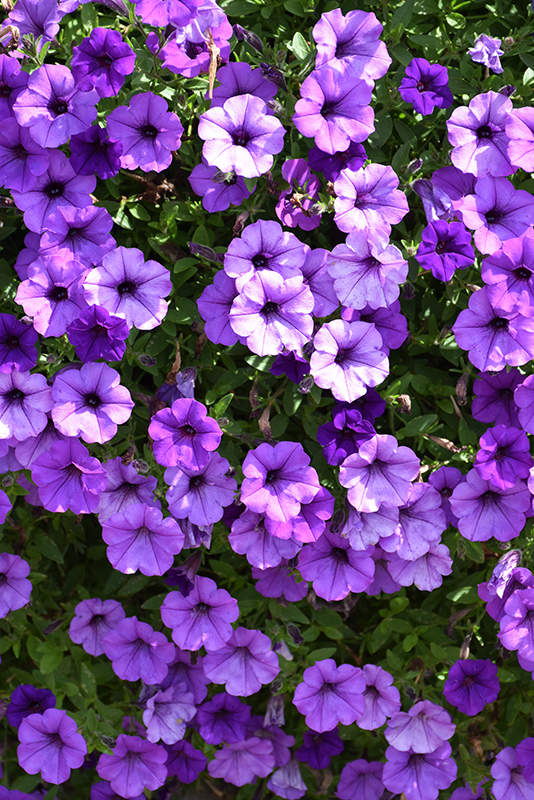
x: 343, y: 436
x: 277, y: 480
x: 368, y: 198
x: 423, y: 729
x: 22, y: 161
x: 184, y: 762
x: 287, y: 782
x: 82, y: 234
x: 52, y: 107
x: 361, y: 779
x: 241, y: 136
x: 296, y: 205
x: 161, y: 13
x: 13, y: 81
x: 241, y: 762
x: 351, y: 44
x: 17, y: 345
x: 421, y: 522
x: 382, y: 700
x: 426, y: 86
x: 223, y: 719
x: 379, y: 474
x: 496, y: 212
x: 53, y: 293
x: 470, y: 685
x: 348, y: 357
x: 238, y: 78
x: 92, y: 620
x: 318, y: 748
x: 200, y: 494
x: 60, y: 185
x: 51, y: 745
x: 334, y: 568
x: 317, y: 278
x: 445, y: 480
x: 523, y: 401
x: 504, y: 457
x: 494, y: 397
x: 331, y: 164
x: 124, y: 486
x: 181, y: 670
x: 478, y: 136
x: 493, y: 335
x: 329, y: 695
x: 487, y: 52
x: 94, y: 153
x: 214, y: 306
x: 445, y: 247
x: 101, y: 61
x: 334, y: 109
x: 425, y: 572
x: 184, y: 435
x: 69, y: 478
x: 244, y: 664
x: 134, y: 765
x: 367, y: 270
x: 484, y: 510
x: 139, y: 538
x: 36, y: 17
x: 90, y: 402
x: 279, y: 582
x: 27, y: 699
x: 149, y: 132
x: 137, y: 652
x: 203, y: 618
x: 102, y: 791
x: 272, y: 313
x: 130, y: 288
x: 96, y: 333
x: 502, y: 586
x: 419, y: 775
x: 166, y: 714
x: 25, y: 400
x: 509, y: 268
x: 218, y: 189
x: 15, y: 588
x: 509, y: 781
x: 250, y: 537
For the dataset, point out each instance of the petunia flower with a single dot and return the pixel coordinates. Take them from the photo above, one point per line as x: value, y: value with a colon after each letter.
x: 244, y: 664
x: 471, y: 684
x: 69, y: 478
x: 368, y: 198
x: 478, y: 136
x: 134, y: 765
x: 15, y: 588
x: 27, y: 699
x: 224, y: 718
x: 351, y: 43
x: 426, y: 86
x: 329, y: 695
x: 51, y: 745
x: 25, y: 400
x: 93, y: 618
x: 200, y: 494
x: 136, y: 652
x: 101, y: 61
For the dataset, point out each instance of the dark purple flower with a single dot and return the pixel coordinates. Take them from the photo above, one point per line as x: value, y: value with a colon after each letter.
x: 484, y: 510
x: 102, y: 61
x: 22, y: 161
x: 445, y: 247
x: 200, y: 494
x: 184, y: 762
x: 331, y: 164
x: 241, y: 136
x: 94, y: 153
x: 244, y: 664
x: 92, y: 620
x: 139, y: 538
x: 291, y: 364
x: 478, y: 136
x: 493, y: 335
x: 184, y: 435
x: 318, y: 748
x: 218, y: 189
x: 494, y: 397
x: 504, y: 457
x: 203, y: 618
x: 362, y: 779
x: 334, y: 568
x: 149, y: 132
x: 27, y: 699
x: 295, y: 205
x: 470, y: 685
x: 53, y: 107
x: 137, y: 652
x: 98, y: 334
x: 130, y: 288
x: 343, y: 436
x: 223, y: 719
x: 329, y: 695
x: 351, y: 44
x: 426, y: 86
x: 334, y: 109
x: 58, y: 186
x: 69, y: 478
x: 51, y: 745
x: 419, y: 775
x: 487, y: 52
x: 17, y: 345
x: 134, y: 765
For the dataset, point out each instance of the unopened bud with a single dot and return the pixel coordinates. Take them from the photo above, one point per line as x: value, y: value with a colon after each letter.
x: 146, y: 360
x: 507, y: 91
x: 244, y: 35
x: 306, y: 385
x: 295, y: 634
x: 140, y: 465
x: 203, y: 251
x: 7, y: 481
x: 274, y: 75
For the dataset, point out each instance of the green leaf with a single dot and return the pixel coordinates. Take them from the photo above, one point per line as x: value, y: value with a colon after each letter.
x: 300, y: 47
x: 409, y: 642
x: 51, y: 661
x: 47, y: 547
x: 474, y: 551
x: 220, y: 407
x: 403, y: 14
x: 88, y: 680
x: 321, y: 654
x: 417, y: 426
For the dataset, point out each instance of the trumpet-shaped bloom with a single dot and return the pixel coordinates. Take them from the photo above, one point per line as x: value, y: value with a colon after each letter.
x: 200, y: 494
x: 25, y: 400
x: 368, y: 199
x: 329, y: 695
x: 53, y: 293
x: 470, y: 685
x: 484, y: 510
x: 92, y: 619
x: 242, y: 762
x: 478, y: 136
x: 334, y: 568
x: 69, y: 478
x: 419, y: 775
x: 136, y: 652
x: 51, y: 745
x: 244, y: 664
x: 184, y: 434
x: 134, y: 765
x: 166, y: 714
x: 351, y: 43
x: 101, y: 61
x: 423, y: 729
x: 15, y: 588
x: 224, y: 718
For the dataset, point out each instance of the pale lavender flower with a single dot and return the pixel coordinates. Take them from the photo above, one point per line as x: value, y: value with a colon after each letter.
x: 423, y: 729
x: 244, y: 664
x: 478, y: 136
x: 351, y: 43
x: 368, y: 198
x: 92, y: 619
x: 487, y: 51
x: 25, y: 400
x: 329, y: 695
x: 200, y: 494
x: 382, y: 699
x: 53, y: 293
x: 419, y: 775
x: 134, y: 765
x: 166, y: 714
x: 137, y: 652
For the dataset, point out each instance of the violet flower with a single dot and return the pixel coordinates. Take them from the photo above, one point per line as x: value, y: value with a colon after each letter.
x: 13, y: 81
x: 382, y: 699
x: 249, y: 537
x: 478, y: 136
x: 27, y: 699
x: 53, y: 293
x: 134, y: 765
x: 361, y: 779
x: 504, y: 457
x: 426, y: 572
x: 494, y: 397
x: 51, y: 745
x: 426, y: 86
x: 241, y: 762
x: 96, y: 333
x: 238, y: 78
x: 419, y: 775
x: 509, y: 268
x: 92, y: 620
x: 487, y: 51
x: 445, y: 247
x: 470, y: 685
x: 484, y: 510
x: 296, y: 205
x: 17, y: 345
x: 101, y: 61
x: 25, y: 399
x: 287, y: 782
x: 184, y: 762
x: 184, y: 435
x: 166, y: 714
x: 22, y: 161
x: 329, y: 695
x: 224, y: 718
x: 423, y: 729
x: 214, y: 306
x: 318, y: 748
x: 69, y: 478
x: 368, y: 198
x: 15, y: 588
x: 200, y: 494
x: 94, y: 153
x: 124, y: 486
x: 509, y: 783
x: 331, y: 164
x: 343, y: 436
x: 244, y: 664
x: 82, y: 234
x: 218, y: 189
x: 334, y: 568
x: 351, y: 44
x: 136, y: 652
x: 523, y: 402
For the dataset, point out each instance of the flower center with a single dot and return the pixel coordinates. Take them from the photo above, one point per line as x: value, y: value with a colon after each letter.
x: 269, y: 309
x: 126, y: 287
x: 196, y: 481
x: 441, y: 247
x: 523, y: 273
x: 193, y: 49
x: 54, y: 189
x: 484, y: 132
x: 105, y: 61
x: 241, y: 138
x: 149, y: 131
x: 12, y: 342
x: 58, y: 293
x: 5, y: 90
x: 342, y: 356
x: 499, y: 323
x: 188, y: 430
x: 339, y: 555
x: 260, y: 261
x: 92, y: 400
x: 15, y: 396
x: 493, y: 215
x: 58, y: 106
x: 272, y: 476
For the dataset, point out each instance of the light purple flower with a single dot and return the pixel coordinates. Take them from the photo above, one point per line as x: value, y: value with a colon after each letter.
x: 419, y: 775
x: 25, y: 400
x: 523, y: 396
x: 272, y: 313
x: 237, y: 78
x: 136, y: 652
x: 223, y: 719
x: 287, y: 782
x: 166, y: 714
x: 80, y: 233
x: 200, y: 494
x: 423, y: 729
x: 317, y: 277
x: 15, y: 588
x: 244, y: 664
x: 241, y: 136
x: 445, y: 480
x: 250, y: 537
x: 69, y: 478
x: 214, y: 306
x: 36, y: 17
x: 504, y: 457
x: 334, y: 568
x: 218, y: 189
x: 51, y: 745
x: 421, y: 522
x: 509, y: 782
x: 124, y: 486
x: 53, y: 293
x: 240, y: 763
x: 362, y: 779
x: 130, y: 288
x: 134, y: 765
x: 203, y: 618
x: 297, y: 205
x: 425, y: 572
x: 329, y: 695
x: 22, y: 161
x: 478, y: 136
x: 487, y: 51
x: 149, y: 132
x: 184, y: 434
x: 368, y: 198
x: 351, y: 43
x: 381, y: 698
x: 164, y: 12
x: 92, y: 619
x: 484, y: 510
x: 139, y: 538
x: 520, y: 132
